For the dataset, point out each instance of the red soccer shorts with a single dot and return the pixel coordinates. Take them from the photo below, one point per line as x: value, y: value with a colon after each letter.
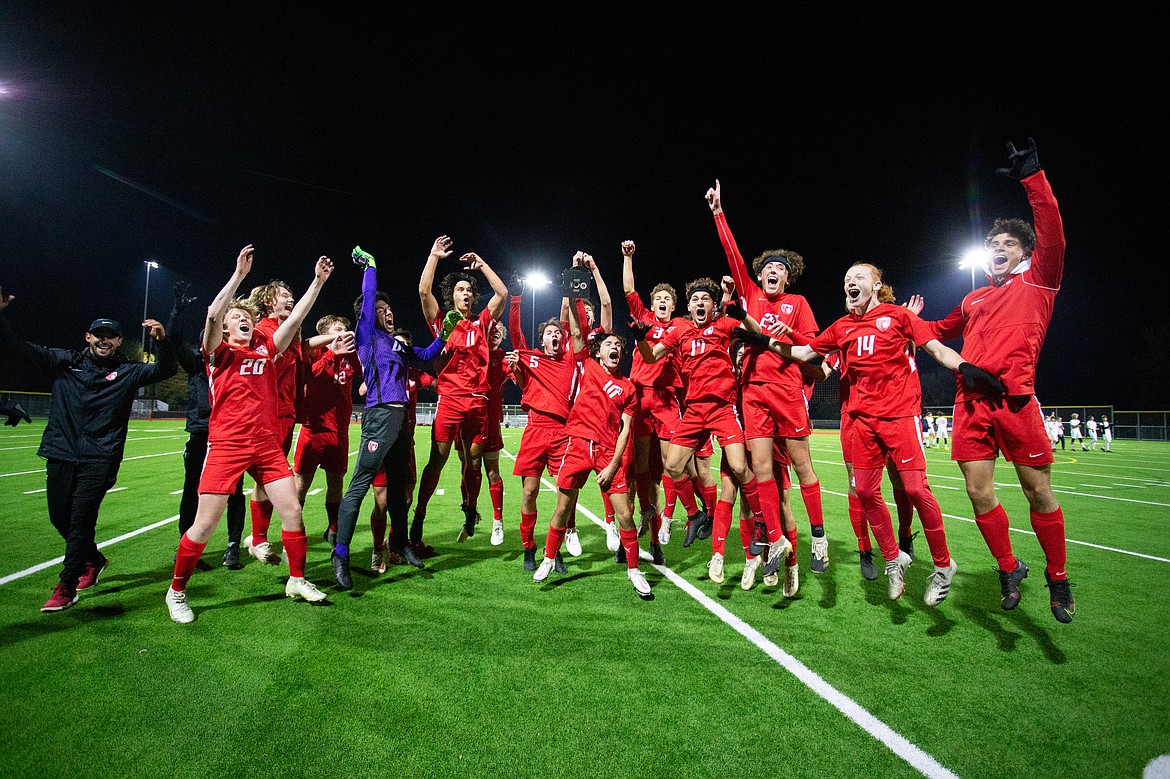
x: 847, y: 439
x: 1013, y: 425
x: 766, y: 414
x: 286, y: 425
x: 702, y: 420
x: 227, y: 462
x: 495, y: 438
x: 321, y: 450
x: 658, y: 412
x: 584, y: 457
x: 706, y: 449
x: 900, y: 440
x: 541, y: 446
x: 461, y: 417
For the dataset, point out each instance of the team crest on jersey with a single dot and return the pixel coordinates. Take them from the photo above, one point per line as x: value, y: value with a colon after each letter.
x: 372, y: 446
x: 786, y: 308
x: 883, y: 323
x: 709, y: 331
x: 262, y: 349
x: 111, y: 375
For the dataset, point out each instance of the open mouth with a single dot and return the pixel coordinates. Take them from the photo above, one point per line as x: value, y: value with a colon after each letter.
x: 999, y: 259
x: 852, y: 294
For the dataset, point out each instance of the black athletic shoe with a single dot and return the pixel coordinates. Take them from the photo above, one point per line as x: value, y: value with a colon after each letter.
x: 530, y: 559
x: 559, y: 564
x: 231, y: 556
x: 656, y: 554
x: 341, y: 571
x: 696, y: 524
x: 869, y: 571
x: 411, y: 557
x: 906, y: 544
x: 1009, y: 585
x: 1060, y: 594
x: 470, y: 517
x: 620, y: 555
x: 705, y: 524
x: 759, y: 543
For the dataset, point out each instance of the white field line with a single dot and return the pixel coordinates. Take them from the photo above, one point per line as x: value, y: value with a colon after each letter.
x: 124, y: 459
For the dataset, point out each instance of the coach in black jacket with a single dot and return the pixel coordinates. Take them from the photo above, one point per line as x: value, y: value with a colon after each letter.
x: 93, y: 390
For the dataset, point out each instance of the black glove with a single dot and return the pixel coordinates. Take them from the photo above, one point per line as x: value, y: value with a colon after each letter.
x: 515, y: 286
x: 735, y: 311
x: 15, y: 414
x: 639, y: 328
x: 183, y: 296
x: 752, y: 338
x: 1023, y: 162
x: 575, y: 282
x: 973, y: 376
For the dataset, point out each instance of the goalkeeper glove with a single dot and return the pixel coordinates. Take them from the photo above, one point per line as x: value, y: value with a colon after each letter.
x: 1023, y: 162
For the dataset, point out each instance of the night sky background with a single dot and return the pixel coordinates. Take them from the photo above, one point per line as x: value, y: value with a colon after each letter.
x: 180, y: 132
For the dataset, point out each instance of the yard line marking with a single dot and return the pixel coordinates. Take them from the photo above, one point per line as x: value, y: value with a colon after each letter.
x: 892, y: 740
x: 34, y: 492
x: 114, y: 489
x: 124, y: 459
x: 57, y: 560
x: 177, y: 492
x: 313, y: 492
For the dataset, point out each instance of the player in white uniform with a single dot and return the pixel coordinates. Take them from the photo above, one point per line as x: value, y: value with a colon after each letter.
x: 1091, y: 426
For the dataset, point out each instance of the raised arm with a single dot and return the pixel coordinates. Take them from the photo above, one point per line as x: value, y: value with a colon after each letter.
x: 739, y: 271
x: 499, y: 288
x: 430, y: 305
x: 291, y: 327
x: 213, y: 327
x: 515, y: 325
x: 605, y: 318
x: 628, y: 267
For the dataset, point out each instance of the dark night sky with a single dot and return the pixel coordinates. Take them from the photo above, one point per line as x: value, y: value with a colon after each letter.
x: 182, y: 131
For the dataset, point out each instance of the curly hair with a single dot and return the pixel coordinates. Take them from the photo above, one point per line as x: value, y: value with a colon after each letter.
x: 447, y: 288
x: 791, y: 259
x: 357, y: 303
x: 263, y: 296
x: 1016, y: 228
x: 708, y: 285
x: 328, y: 321
x: 596, y: 342
x: 668, y: 289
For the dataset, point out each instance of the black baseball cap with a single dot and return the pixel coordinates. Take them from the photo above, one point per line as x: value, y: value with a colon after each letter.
x: 105, y: 324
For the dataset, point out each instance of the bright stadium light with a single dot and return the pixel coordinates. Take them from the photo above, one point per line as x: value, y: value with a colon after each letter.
x: 534, y: 281
x: 974, y: 258
x: 145, y: 300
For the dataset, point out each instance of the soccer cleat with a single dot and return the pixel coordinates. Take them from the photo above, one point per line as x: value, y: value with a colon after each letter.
x: 341, y: 571
x: 300, y: 586
x: 906, y: 544
x: 759, y: 543
x: 378, y: 562
x: 1061, y: 600
x: 177, y: 606
x: 391, y: 558
x: 61, y: 599
x: 422, y: 550
x: 778, y: 552
x: 656, y: 554
x: 820, y: 554
x: 620, y: 555
x: 715, y: 568
x: 262, y: 551
x: 613, y: 540
x: 647, y: 521
x: 1009, y: 585
x: 93, y: 572
x: 748, y: 580
x: 572, y: 542
x: 543, y: 570
x: 497, y: 532
x: 330, y: 536
x: 362, y: 259
x: 559, y: 564
x: 938, y: 584
x: 231, y: 556
x: 791, y: 581
x: 771, y: 579
x: 869, y: 571
x: 639, y: 581
x: 530, y: 559
x: 411, y: 557
x: 896, y: 574
x: 695, y: 524
x: 664, y: 531
x: 706, y: 524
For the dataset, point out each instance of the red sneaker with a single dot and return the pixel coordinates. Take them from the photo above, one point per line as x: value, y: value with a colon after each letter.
x: 61, y: 599
x: 92, y: 572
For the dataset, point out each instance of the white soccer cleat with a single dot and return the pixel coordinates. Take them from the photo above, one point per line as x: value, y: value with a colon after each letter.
x: 664, y: 531
x: 896, y: 574
x: 639, y: 581
x: 261, y: 551
x: 820, y: 554
x: 572, y: 542
x: 177, y: 606
x: 543, y: 570
x: 748, y: 580
x: 298, y: 586
x: 938, y: 584
x: 777, y: 554
x: 378, y: 561
x: 613, y: 541
x: 715, y: 568
x: 497, y: 532
x: 791, y: 581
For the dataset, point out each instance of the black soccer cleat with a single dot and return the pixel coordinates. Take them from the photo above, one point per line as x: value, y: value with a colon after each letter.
x: 696, y: 524
x: 341, y: 571
x: 1009, y: 585
x: 656, y: 554
x: 559, y: 564
x: 869, y: 571
x: 411, y: 557
x: 1060, y: 595
x: 530, y: 559
x: 231, y: 556
x: 906, y: 543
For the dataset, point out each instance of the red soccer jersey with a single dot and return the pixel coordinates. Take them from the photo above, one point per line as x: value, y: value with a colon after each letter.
x: 242, y: 385
x: 548, y: 382
x: 763, y: 366
x: 662, y: 374
x: 703, y: 358
x: 1003, y: 327
x: 468, y: 349
x: 418, y: 379
x: 328, y: 402
x: 288, y: 369
x: 498, y: 373
x: 602, y: 399
x: 883, y: 379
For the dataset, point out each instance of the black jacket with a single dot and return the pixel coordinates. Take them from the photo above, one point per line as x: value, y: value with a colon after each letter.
x: 91, y: 397
x: 191, y: 360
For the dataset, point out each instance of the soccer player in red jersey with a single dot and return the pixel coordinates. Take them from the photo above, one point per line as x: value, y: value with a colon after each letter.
x: 1003, y: 327
x: 323, y: 439
x: 545, y: 378
x: 701, y: 347
x: 463, y: 376
x: 598, y: 430
x: 498, y: 373
x: 877, y: 338
x: 774, y: 404
x: 244, y: 431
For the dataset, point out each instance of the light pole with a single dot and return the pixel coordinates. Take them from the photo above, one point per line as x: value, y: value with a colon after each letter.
x: 145, y: 300
x: 974, y: 258
x: 534, y: 280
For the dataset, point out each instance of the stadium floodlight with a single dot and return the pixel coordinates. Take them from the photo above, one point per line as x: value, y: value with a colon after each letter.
x: 145, y: 300
x: 534, y: 281
x: 974, y: 258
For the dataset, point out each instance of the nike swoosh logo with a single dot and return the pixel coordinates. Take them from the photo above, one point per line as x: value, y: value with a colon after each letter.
x: 1036, y: 455
x: 908, y: 459
x: 799, y: 429
x: 980, y: 300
